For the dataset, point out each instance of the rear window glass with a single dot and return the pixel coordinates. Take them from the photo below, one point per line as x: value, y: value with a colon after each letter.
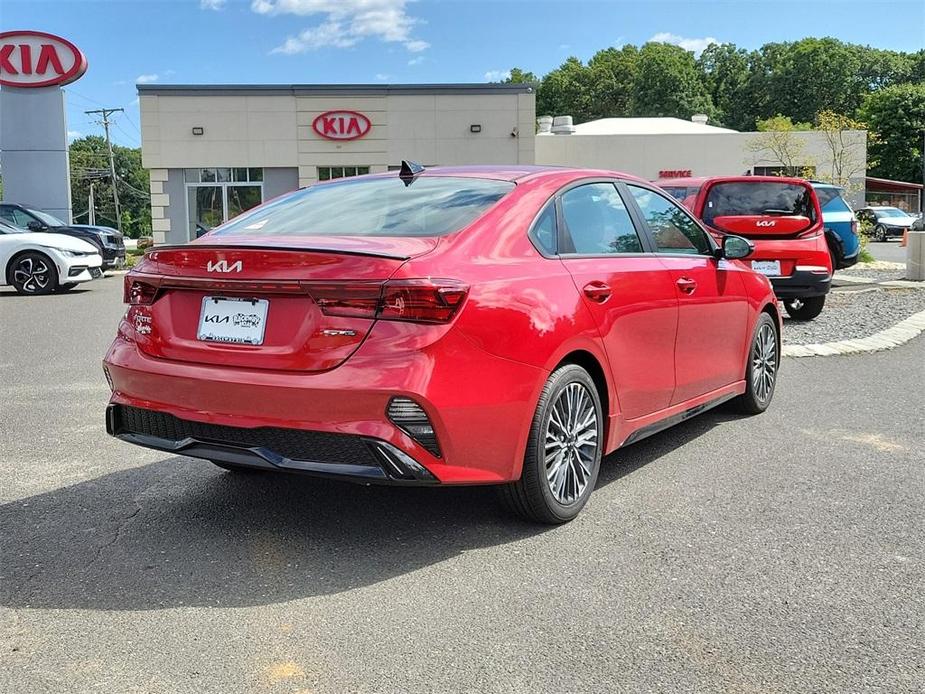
x: 680, y: 193
x: 430, y: 206
x: 759, y: 200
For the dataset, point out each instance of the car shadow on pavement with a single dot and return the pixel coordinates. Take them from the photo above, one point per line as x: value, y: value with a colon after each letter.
x: 181, y: 532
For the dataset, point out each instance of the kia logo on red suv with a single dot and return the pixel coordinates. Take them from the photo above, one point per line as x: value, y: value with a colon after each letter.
x: 341, y: 125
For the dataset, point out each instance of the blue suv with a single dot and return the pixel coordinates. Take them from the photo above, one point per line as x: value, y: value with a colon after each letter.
x: 841, y: 225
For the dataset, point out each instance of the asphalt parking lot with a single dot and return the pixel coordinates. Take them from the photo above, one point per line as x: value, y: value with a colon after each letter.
x: 771, y: 554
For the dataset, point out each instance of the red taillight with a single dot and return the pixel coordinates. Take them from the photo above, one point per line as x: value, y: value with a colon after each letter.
x: 417, y: 301
x: 138, y: 293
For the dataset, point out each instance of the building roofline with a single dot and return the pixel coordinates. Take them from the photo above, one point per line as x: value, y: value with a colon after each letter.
x: 329, y: 89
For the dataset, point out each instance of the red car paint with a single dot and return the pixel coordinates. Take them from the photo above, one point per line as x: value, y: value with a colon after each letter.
x: 797, y: 241
x: 665, y: 332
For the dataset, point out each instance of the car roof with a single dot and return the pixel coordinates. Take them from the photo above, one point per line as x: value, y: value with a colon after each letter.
x: 511, y: 172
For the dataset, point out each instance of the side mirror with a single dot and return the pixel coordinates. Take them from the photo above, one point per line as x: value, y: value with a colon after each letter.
x: 36, y: 226
x: 735, y: 247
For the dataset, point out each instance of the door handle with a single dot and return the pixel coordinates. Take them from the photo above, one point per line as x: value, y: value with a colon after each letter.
x: 597, y: 291
x: 687, y: 285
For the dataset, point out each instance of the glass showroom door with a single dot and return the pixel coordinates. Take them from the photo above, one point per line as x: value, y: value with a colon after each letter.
x: 242, y: 198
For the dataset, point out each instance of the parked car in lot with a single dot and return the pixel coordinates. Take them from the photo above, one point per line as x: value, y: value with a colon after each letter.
x: 108, y: 241
x: 39, y: 263
x: 887, y: 222
x: 840, y: 223
x: 782, y: 217
x: 471, y: 325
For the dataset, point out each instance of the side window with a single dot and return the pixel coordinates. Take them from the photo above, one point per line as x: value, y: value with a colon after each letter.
x: 544, y: 230
x: 673, y: 230
x: 6, y: 214
x: 598, y: 222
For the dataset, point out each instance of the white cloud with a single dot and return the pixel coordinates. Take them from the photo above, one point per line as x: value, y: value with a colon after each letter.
x: 74, y: 134
x: 211, y: 4
x: 344, y: 23
x: 382, y: 77
x: 497, y: 75
x: 147, y: 79
x: 416, y: 61
x: 695, y: 45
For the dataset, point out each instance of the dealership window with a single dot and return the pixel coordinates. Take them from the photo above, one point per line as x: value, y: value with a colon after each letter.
x: 792, y: 171
x: 328, y: 173
x: 217, y: 194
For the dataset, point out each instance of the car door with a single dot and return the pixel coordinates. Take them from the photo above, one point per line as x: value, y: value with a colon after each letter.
x: 713, y: 306
x: 628, y: 291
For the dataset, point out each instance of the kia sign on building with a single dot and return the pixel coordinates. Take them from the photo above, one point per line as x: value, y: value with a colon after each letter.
x: 341, y: 125
x: 34, y: 66
x: 36, y: 59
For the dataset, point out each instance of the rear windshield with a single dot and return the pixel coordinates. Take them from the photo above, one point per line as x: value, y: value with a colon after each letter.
x: 430, y: 206
x: 760, y: 199
x: 680, y: 193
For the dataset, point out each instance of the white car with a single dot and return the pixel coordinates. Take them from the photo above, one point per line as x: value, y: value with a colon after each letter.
x: 39, y: 263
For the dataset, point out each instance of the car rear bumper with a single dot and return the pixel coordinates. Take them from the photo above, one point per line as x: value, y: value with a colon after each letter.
x: 480, y: 407
x: 801, y: 284
x: 340, y: 456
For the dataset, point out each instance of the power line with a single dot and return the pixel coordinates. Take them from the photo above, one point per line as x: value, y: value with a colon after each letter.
x: 105, y: 113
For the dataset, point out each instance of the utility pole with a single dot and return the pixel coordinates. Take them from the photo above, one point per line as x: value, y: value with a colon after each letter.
x: 92, y: 218
x: 105, y: 113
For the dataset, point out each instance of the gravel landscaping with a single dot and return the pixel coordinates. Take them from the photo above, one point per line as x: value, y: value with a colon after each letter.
x: 875, y: 275
x: 849, y: 315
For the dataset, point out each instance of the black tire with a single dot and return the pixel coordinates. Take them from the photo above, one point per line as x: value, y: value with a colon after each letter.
x: 66, y: 287
x: 761, y: 369
x: 532, y: 496
x: 880, y: 233
x: 32, y: 273
x: 806, y: 308
x: 234, y: 467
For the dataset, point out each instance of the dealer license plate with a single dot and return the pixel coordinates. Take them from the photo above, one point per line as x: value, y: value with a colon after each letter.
x: 771, y: 268
x: 237, y: 321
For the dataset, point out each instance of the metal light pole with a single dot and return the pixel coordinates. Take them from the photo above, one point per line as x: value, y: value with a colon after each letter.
x: 91, y: 220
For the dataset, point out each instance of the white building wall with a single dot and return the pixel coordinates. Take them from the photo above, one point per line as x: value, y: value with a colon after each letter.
x: 714, y: 154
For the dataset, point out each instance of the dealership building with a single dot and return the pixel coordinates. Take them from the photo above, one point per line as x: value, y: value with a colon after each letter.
x: 214, y: 151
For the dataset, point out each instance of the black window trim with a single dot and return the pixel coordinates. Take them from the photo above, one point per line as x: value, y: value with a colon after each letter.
x: 649, y: 233
x: 531, y: 234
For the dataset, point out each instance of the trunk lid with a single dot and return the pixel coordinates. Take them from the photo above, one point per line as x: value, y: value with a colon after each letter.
x: 762, y: 208
x: 297, y: 335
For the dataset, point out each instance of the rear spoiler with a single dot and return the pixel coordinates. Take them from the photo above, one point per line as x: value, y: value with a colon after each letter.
x: 297, y: 249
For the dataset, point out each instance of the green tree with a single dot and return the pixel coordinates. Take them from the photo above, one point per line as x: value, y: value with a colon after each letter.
x: 846, y: 149
x: 669, y: 84
x: 566, y: 91
x: 896, y: 115
x: 89, y: 162
x: 519, y: 76
x: 612, y: 78
x: 725, y: 72
x: 779, y: 145
x: 812, y: 75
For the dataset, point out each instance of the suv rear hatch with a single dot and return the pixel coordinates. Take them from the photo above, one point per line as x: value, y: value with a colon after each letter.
x: 289, y: 309
x: 762, y: 209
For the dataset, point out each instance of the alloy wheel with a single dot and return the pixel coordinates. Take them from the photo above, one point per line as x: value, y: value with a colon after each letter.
x: 571, y: 443
x: 32, y: 274
x: 764, y: 362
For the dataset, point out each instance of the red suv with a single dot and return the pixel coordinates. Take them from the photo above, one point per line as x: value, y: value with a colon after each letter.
x: 504, y: 326
x: 781, y: 216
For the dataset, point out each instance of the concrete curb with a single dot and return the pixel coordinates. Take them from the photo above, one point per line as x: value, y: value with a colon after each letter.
x: 899, y: 334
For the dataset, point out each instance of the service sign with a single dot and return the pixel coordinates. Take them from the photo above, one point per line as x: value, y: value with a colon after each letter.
x: 37, y: 59
x: 341, y: 125
x: 674, y: 173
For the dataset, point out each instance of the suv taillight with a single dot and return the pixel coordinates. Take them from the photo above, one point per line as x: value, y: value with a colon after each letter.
x: 138, y: 293
x: 416, y: 301
x: 854, y: 227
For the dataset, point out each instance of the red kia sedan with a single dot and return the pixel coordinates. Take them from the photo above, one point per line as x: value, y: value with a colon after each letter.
x: 478, y: 325
x: 782, y: 217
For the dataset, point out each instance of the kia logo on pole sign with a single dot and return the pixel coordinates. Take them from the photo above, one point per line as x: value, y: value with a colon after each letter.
x: 341, y: 125
x: 36, y: 59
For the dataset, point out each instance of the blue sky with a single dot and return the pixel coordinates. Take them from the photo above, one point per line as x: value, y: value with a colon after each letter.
x: 397, y: 41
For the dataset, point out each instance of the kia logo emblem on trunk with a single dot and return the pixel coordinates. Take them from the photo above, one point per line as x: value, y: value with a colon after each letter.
x: 341, y: 125
x: 769, y: 223
x: 224, y: 266
x: 36, y: 59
